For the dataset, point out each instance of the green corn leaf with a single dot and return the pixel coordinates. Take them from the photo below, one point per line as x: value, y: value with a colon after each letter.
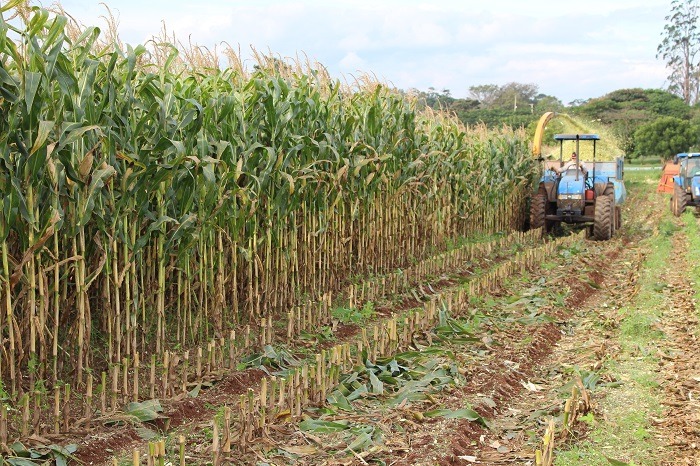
x: 20, y: 462
x: 145, y: 411
x: 43, y: 133
x: 377, y: 385
x: 76, y: 134
x: 10, y: 4
x: 31, y: 86
x: 468, y: 414
x: 58, y: 23
x: 336, y: 398
x: 361, y: 442
x: 20, y: 450
x: 323, y: 427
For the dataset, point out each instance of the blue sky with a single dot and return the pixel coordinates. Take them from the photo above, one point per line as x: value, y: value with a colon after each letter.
x: 572, y: 50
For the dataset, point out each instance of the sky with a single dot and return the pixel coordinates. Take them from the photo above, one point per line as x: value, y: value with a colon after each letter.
x: 569, y: 49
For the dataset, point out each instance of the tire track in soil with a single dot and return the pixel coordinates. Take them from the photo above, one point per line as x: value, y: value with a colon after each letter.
x: 500, y: 381
x: 679, y: 365
x: 677, y: 432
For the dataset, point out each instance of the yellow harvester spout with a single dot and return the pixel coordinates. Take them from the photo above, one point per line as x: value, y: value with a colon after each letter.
x: 539, y: 132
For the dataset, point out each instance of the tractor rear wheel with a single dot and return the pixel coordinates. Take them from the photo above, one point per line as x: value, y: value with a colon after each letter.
x: 538, y: 207
x: 678, y: 201
x: 603, y: 223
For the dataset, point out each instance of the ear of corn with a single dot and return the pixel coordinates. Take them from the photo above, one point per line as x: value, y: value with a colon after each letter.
x: 148, y: 204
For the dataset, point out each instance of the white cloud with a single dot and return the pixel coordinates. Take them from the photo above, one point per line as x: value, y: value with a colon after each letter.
x: 356, y: 41
x: 571, y: 50
x: 351, y: 62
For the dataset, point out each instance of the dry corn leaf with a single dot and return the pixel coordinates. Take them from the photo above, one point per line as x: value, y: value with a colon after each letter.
x: 301, y: 450
x: 531, y: 386
x: 470, y: 459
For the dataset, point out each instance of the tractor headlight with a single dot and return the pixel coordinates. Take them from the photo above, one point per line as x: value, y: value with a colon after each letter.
x: 571, y: 196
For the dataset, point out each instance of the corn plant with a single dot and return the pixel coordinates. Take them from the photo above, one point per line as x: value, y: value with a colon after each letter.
x: 148, y: 203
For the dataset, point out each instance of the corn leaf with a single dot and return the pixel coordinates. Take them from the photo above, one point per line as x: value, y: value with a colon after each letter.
x: 468, y: 414
x: 323, y: 427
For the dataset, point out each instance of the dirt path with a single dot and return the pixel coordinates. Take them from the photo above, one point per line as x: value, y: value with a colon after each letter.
x: 679, y: 366
x: 521, y: 386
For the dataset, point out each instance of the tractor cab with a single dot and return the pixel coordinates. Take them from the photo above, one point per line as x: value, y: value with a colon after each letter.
x: 686, y: 184
x: 689, y: 167
x: 570, y: 184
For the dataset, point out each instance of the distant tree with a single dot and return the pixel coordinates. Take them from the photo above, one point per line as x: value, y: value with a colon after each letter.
x: 512, y: 94
x: 492, y: 105
x: 664, y: 137
x: 547, y: 103
x: 484, y: 93
x: 464, y: 105
x: 578, y: 102
x: 679, y: 48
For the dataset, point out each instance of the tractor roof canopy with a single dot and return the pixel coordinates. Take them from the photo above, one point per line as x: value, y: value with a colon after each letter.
x: 683, y: 155
x: 573, y: 137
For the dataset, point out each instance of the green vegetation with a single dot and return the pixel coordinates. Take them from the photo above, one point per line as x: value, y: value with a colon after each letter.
x: 514, y: 104
x: 353, y: 315
x: 151, y: 200
x: 626, y: 111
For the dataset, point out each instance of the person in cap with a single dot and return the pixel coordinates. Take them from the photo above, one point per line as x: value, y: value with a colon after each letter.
x: 573, y: 164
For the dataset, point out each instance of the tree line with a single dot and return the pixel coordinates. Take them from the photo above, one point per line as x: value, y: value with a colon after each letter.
x: 647, y: 122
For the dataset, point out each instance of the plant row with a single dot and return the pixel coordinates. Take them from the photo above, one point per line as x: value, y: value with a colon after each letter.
x: 148, y: 204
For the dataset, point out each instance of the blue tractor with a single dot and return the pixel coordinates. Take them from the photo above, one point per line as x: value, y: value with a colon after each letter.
x: 588, y: 193
x: 686, y: 185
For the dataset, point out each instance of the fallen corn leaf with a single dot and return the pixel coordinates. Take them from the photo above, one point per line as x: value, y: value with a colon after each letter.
x: 471, y: 459
x: 301, y: 450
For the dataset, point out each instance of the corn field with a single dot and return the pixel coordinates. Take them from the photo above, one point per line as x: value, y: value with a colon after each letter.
x: 150, y: 203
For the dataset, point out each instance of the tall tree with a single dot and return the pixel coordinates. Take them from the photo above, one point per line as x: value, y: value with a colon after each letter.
x: 679, y: 48
x: 484, y: 93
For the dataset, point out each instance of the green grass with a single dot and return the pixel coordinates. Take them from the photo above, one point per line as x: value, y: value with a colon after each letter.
x: 354, y: 315
x: 625, y: 432
x: 693, y: 232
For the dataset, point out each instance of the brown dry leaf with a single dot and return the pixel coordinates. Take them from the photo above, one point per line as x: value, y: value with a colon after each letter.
x: 301, y: 450
x: 531, y: 386
x: 471, y: 459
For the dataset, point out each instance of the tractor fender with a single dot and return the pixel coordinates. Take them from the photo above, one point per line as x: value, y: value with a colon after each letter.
x: 549, y: 188
x: 599, y: 188
x: 678, y: 179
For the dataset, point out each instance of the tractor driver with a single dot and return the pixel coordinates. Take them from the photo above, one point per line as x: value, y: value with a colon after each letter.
x: 573, y: 163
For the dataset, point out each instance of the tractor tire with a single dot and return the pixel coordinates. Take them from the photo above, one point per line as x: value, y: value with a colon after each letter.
x: 616, y: 217
x: 604, y: 218
x: 613, y: 214
x: 679, y: 200
x: 538, y: 206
